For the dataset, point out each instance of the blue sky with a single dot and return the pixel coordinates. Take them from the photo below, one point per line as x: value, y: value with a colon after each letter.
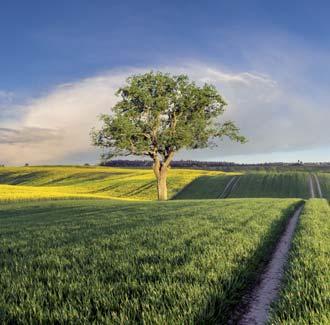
x: 270, y: 59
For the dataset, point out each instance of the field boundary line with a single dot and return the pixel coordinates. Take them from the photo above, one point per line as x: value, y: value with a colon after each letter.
x: 266, y: 291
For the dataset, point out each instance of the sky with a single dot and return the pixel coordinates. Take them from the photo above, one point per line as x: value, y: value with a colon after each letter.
x: 62, y: 61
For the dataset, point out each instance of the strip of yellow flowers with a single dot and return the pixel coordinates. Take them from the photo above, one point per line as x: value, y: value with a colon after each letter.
x: 27, y: 183
x: 10, y: 193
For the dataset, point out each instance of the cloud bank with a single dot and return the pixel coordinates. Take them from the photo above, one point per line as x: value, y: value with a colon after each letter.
x: 55, y: 127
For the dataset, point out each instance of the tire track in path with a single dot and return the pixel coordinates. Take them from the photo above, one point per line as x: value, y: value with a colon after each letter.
x: 230, y: 187
x: 266, y: 291
x: 318, y: 186
x: 311, y: 186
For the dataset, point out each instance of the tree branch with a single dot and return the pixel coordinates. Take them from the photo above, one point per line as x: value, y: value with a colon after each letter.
x: 169, y: 158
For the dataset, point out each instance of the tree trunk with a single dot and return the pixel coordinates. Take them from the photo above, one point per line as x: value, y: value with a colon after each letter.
x: 160, y: 171
x: 161, y: 184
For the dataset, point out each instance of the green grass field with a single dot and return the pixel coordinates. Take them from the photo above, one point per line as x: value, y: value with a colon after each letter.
x: 305, y: 296
x: 132, y: 262
x: 252, y: 185
x: 109, y: 253
x: 281, y: 185
x: 100, y: 182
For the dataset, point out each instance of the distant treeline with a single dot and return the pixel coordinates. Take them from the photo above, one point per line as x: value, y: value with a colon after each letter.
x: 216, y: 165
x: 175, y: 163
x: 221, y: 165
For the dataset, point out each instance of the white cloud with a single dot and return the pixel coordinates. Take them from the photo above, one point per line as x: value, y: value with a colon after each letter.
x: 69, y: 111
x: 57, y: 125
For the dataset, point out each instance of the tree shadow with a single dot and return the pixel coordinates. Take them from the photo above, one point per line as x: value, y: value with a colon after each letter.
x: 14, y: 179
x: 203, y: 187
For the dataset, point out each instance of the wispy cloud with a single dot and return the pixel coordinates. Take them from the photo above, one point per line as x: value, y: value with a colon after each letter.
x: 27, y: 135
x: 6, y: 98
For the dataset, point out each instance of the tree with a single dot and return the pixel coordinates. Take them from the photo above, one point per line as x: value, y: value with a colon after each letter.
x: 159, y: 114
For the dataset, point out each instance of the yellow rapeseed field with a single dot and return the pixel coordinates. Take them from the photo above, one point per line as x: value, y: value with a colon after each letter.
x: 27, y: 183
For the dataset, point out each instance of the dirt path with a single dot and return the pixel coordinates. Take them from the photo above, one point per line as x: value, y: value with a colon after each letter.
x: 311, y: 186
x: 266, y: 291
x: 318, y: 186
x: 230, y: 187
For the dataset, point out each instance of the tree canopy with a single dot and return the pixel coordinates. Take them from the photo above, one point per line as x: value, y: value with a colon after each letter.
x: 158, y: 114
